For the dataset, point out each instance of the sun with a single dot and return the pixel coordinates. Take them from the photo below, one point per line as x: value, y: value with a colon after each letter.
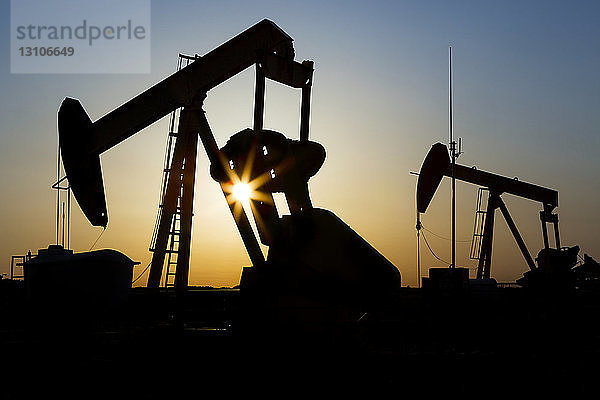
x: 242, y: 192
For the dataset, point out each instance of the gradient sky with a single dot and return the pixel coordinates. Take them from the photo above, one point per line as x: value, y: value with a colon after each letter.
x: 527, y: 102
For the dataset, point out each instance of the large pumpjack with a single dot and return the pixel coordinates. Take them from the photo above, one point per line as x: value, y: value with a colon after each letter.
x: 309, y: 250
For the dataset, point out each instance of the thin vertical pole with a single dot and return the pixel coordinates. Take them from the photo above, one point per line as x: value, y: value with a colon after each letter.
x: 453, y: 153
x: 63, y: 223
x: 69, y: 217
x: 57, y: 192
x: 418, y: 251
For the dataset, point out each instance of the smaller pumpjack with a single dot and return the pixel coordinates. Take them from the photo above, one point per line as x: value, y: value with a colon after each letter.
x: 309, y: 250
x: 554, y: 265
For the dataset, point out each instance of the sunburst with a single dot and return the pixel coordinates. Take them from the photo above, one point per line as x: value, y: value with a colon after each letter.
x: 241, y: 191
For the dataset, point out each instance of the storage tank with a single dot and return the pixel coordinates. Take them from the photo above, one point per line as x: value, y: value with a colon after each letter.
x: 100, y: 278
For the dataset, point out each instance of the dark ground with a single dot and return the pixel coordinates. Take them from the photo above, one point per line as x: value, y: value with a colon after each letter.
x: 505, y: 342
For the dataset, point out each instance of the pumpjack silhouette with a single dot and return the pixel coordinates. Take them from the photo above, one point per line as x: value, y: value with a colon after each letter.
x: 311, y: 250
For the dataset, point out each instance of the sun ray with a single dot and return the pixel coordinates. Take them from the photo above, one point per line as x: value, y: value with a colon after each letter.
x: 257, y: 195
x: 237, y: 210
x: 260, y: 180
x: 228, y: 170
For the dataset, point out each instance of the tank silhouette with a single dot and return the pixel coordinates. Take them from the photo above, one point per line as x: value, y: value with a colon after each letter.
x: 99, y: 279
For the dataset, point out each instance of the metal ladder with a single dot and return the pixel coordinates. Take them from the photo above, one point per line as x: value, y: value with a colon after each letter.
x: 173, y: 249
x: 16, y: 267
x: 175, y: 231
x: 479, y: 224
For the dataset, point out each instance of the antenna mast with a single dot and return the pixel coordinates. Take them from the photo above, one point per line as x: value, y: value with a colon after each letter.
x: 454, y: 153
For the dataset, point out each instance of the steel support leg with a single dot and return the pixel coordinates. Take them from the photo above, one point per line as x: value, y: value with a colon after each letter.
x: 556, y: 235
x: 513, y: 228
x: 190, y: 130
x: 485, y: 255
x: 544, y: 229
x: 169, y: 204
x: 241, y: 219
